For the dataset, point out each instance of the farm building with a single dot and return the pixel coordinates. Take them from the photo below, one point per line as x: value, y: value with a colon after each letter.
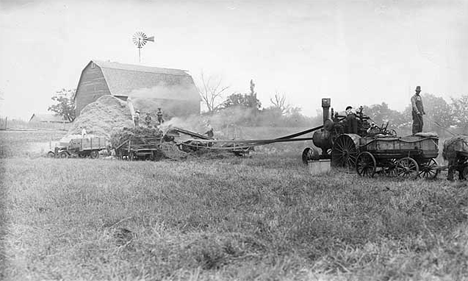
x: 149, y: 88
x: 47, y: 118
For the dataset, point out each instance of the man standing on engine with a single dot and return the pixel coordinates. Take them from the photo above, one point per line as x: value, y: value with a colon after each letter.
x: 351, y: 121
x: 417, y: 111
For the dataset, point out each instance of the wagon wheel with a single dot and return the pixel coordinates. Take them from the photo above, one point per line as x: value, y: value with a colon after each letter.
x: 390, y: 168
x: 94, y: 154
x: 366, y: 164
x: 465, y: 172
x: 344, y: 152
x: 63, y: 154
x: 407, y: 167
x: 429, y: 169
x: 50, y: 154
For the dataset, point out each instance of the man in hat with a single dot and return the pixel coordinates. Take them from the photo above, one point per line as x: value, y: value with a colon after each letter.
x: 351, y: 121
x: 417, y: 111
x: 136, y: 118
x: 148, y: 119
x: 160, y: 116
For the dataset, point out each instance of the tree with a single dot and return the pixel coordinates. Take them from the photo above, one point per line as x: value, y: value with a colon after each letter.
x: 211, y: 91
x: 460, y: 112
x: 246, y: 100
x: 279, y: 102
x: 438, y: 114
x: 64, y: 105
x: 381, y: 114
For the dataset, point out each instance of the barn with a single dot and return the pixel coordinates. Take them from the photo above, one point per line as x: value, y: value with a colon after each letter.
x: 149, y: 88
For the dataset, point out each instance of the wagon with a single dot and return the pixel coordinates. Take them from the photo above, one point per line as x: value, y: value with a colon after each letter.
x: 409, y: 156
x: 139, y: 148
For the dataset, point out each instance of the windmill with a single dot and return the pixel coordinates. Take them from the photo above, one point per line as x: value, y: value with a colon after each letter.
x: 140, y: 39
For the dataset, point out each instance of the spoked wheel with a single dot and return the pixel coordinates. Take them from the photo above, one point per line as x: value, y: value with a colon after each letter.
x: 407, y: 167
x: 390, y: 168
x: 50, y: 154
x: 429, y: 169
x: 344, y: 152
x: 366, y: 164
x: 309, y: 154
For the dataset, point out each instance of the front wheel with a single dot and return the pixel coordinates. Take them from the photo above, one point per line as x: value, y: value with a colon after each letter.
x: 50, y: 154
x: 366, y: 164
x: 310, y: 154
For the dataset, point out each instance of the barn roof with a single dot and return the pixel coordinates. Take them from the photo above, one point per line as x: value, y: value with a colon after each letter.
x: 139, y: 68
x: 125, y: 79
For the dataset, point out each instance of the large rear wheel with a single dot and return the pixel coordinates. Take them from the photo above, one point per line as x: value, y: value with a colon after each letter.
x: 366, y: 164
x: 345, y: 151
x: 407, y: 167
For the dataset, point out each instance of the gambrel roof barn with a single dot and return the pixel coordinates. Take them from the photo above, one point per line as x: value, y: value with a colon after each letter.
x: 171, y: 89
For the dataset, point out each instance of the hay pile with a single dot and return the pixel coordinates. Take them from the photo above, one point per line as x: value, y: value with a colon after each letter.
x: 103, y: 117
x: 141, y: 135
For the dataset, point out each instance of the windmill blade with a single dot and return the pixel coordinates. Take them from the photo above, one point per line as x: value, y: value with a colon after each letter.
x: 150, y: 39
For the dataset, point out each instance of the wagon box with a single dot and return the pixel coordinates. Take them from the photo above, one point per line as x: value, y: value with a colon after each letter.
x: 91, y: 143
x: 422, y: 146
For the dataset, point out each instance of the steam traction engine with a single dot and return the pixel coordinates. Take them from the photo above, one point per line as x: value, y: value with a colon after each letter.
x: 335, y: 139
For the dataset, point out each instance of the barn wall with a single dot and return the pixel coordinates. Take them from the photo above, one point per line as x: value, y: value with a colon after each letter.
x: 92, y: 86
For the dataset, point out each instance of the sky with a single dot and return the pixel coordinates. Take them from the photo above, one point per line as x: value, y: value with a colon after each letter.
x: 355, y: 52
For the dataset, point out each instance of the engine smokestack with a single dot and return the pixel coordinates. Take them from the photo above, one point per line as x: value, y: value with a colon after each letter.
x: 326, y: 103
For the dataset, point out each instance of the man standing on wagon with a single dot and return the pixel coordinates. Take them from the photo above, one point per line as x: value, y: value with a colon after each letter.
x: 417, y: 111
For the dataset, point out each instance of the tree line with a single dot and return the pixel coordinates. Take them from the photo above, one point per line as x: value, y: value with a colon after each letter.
x: 245, y: 109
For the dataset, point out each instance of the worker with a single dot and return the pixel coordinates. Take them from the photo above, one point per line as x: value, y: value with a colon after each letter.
x: 417, y: 111
x: 136, y: 118
x: 148, y: 119
x: 83, y: 132
x: 160, y: 116
x: 351, y: 121
x: 209, y: 131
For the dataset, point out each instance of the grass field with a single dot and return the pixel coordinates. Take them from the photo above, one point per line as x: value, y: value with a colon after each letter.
x: 262, y: 217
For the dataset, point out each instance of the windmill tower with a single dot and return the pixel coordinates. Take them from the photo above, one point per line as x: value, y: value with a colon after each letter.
x: 140, y: 39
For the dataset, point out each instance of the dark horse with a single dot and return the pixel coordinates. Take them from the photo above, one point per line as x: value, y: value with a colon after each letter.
x: 456, y: 152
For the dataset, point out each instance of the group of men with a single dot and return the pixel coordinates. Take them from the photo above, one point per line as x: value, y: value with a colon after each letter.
x: 136, y: 118
x: 417, y: 111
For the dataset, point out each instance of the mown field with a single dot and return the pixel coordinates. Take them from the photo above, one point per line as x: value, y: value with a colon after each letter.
x: 262, y: 217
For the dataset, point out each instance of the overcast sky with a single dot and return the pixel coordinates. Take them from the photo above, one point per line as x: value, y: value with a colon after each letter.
x: 356, y: 52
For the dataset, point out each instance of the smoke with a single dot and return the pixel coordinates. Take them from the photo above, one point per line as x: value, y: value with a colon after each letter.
x: 166, y: 91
